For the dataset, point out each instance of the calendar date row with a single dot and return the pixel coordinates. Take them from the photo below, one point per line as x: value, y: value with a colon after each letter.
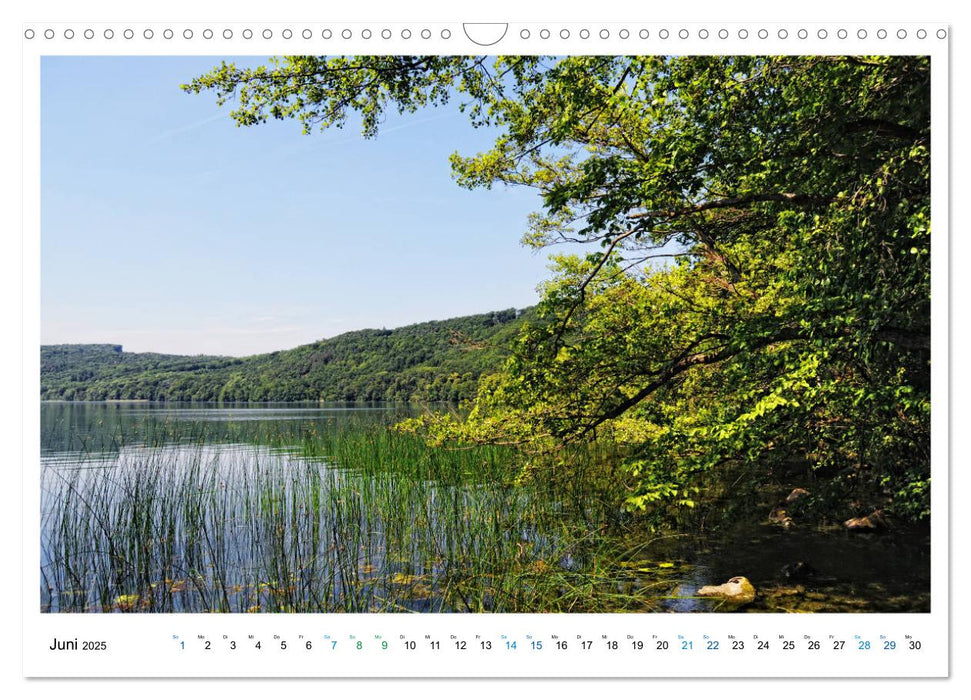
x: 529, y: 644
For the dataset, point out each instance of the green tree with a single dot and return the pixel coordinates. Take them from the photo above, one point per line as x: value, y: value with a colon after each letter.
x: 758, y: 286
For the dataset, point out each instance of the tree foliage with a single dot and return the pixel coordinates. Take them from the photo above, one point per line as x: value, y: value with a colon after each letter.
x: 757, y: 289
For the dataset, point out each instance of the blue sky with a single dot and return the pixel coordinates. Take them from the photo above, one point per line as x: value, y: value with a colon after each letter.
x: 166, y: 228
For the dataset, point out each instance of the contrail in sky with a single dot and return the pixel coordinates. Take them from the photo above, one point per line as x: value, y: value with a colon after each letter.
x: 188, y: 127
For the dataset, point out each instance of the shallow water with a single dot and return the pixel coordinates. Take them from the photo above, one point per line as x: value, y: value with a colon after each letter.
x: 332, y: 539
x: 845, y: 572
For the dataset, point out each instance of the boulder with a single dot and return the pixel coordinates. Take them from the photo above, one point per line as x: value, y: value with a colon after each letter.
x: 874, y: 522
x: 779, y: 516
x: 798, y: 571
x: 796, y: 495
x: 738, y: 591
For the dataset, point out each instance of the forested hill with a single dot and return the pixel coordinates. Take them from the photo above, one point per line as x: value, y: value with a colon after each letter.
x: 432, y: 361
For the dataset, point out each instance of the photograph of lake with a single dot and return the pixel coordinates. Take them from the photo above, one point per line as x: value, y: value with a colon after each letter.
x: 466, y: 334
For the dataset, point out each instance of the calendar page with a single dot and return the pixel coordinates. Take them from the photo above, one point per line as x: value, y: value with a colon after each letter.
x: 452, y: 349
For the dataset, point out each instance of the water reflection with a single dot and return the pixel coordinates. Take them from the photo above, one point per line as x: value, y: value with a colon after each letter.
x: 166, y: 507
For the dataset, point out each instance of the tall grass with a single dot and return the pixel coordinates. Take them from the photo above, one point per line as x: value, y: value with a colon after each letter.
x: 350, y: 519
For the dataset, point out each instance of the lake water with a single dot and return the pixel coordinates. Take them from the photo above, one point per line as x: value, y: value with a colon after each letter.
x: 270, y: 508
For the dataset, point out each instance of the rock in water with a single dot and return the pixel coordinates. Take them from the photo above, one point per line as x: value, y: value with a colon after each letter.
x: 874, y: 522
x: 798, y: 571
x: 796, y: 495
x: 737, y: 592
x: 779, y: 516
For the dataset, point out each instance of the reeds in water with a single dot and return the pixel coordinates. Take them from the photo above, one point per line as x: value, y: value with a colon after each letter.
x: 355, y: 520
